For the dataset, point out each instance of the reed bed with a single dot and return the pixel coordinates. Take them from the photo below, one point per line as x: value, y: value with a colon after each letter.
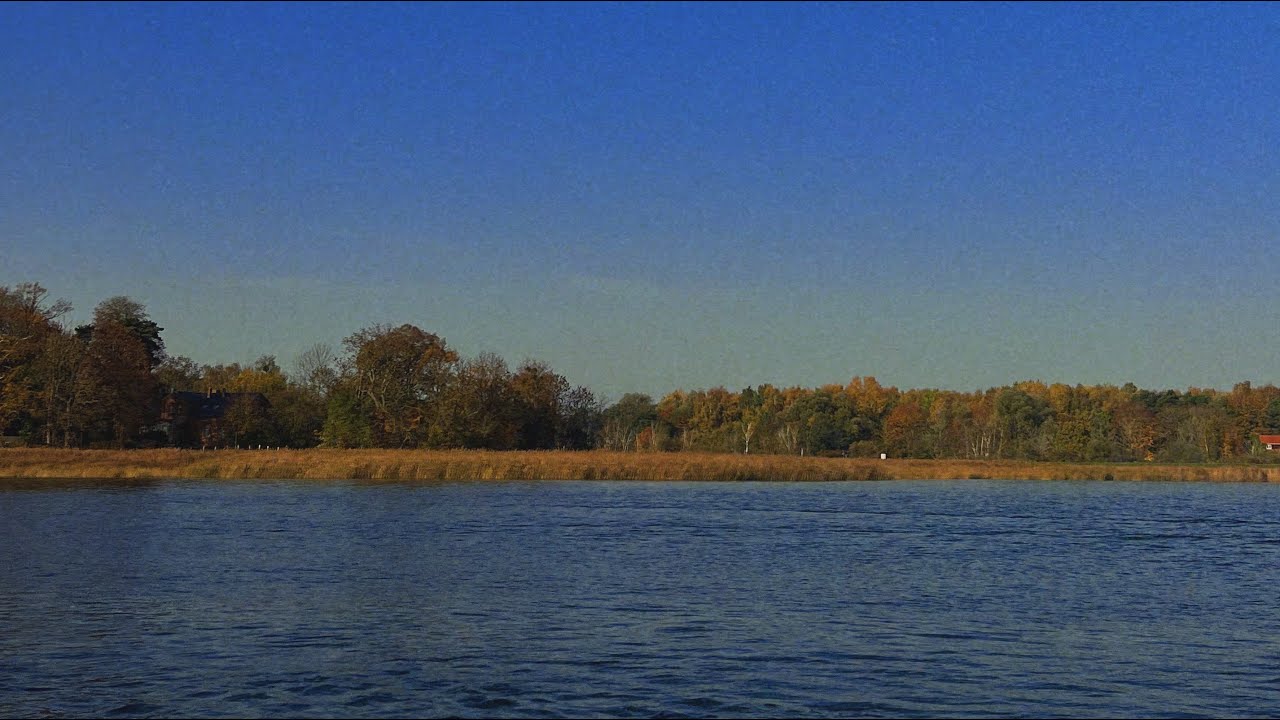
x: 472, y: 465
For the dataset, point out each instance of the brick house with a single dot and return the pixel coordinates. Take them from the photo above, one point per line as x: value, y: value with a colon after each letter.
x: 1270, y: 442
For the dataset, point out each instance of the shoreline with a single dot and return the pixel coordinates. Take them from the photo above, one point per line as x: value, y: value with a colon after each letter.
x: 480, y: 465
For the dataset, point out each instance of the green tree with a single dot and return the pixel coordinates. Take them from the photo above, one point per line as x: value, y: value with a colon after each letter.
x: 297, y: 416
x: 622, y: 422
x: 348, y: 421
x: 1018, y: 417
x: 823, y: 424
x: 1272, y: 417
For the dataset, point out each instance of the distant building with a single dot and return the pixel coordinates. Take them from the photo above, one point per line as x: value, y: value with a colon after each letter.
x: 193, y: 419
x: 1270, y: 442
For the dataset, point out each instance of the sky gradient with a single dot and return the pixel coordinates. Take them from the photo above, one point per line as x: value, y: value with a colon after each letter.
x: 651, y: 197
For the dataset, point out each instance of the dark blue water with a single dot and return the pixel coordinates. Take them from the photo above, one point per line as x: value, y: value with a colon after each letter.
x: 968, y: 598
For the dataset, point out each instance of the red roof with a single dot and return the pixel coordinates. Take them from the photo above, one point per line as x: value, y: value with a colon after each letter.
x: 1269, y: 439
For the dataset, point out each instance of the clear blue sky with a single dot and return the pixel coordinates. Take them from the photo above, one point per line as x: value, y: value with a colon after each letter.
x: 658, y: 196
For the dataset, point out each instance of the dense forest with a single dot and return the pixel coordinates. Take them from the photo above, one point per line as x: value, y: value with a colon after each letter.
x: 104, y: 384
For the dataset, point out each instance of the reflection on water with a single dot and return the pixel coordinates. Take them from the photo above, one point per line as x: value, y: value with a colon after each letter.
x: 971, y: 598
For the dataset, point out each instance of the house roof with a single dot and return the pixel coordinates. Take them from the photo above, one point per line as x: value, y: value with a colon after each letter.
x: 1269, y: 439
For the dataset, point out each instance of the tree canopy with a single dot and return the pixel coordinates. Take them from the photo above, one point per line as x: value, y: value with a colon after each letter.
x: 103, y: 385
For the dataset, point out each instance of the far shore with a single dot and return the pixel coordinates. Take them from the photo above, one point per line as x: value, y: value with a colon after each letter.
x: 473, y: 465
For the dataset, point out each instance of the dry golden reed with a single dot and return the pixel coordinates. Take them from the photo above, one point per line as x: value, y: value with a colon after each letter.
x: 470, y: 465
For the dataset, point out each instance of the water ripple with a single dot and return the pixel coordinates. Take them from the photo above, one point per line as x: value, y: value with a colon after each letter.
x: 970, y: 599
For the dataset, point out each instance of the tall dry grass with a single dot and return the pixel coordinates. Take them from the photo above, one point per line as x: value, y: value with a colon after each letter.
x: 466, y: 465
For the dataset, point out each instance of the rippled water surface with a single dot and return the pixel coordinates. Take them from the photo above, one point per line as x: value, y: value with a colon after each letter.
x: 968, y: 598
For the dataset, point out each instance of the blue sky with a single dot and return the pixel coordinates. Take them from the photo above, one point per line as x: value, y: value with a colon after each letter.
x: 658, y: 196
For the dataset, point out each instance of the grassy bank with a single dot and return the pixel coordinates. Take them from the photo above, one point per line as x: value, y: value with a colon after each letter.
x: 595, y: 465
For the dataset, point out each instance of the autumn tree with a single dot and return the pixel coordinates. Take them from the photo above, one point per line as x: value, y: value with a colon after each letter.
x: 118, y: 389
x: 479, y: 409
x: 713, y: 420
x: 579, y: 423
x: 316, y: 369
x: 538, y: 392
x: 400, y: 375
x: 906, y: 427
x: 870, y: 399
x: 133, y: 316
x: 1137, y: 428
x: 980, y: 426
x: 749, y: 416
x: 263, y: 376
x: 60, y: 372
x: 28, y: 330
x: 947, y: 423
x: 249, y: 422
x: 177, y: 373
x: 1249, y: 408
x: 674, y: 410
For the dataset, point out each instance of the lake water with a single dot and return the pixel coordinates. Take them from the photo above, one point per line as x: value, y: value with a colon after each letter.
x: 946, y: 599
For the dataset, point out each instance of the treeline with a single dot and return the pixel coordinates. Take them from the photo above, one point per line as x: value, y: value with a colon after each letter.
x: 1027, y: 420
x: 103, y: 385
